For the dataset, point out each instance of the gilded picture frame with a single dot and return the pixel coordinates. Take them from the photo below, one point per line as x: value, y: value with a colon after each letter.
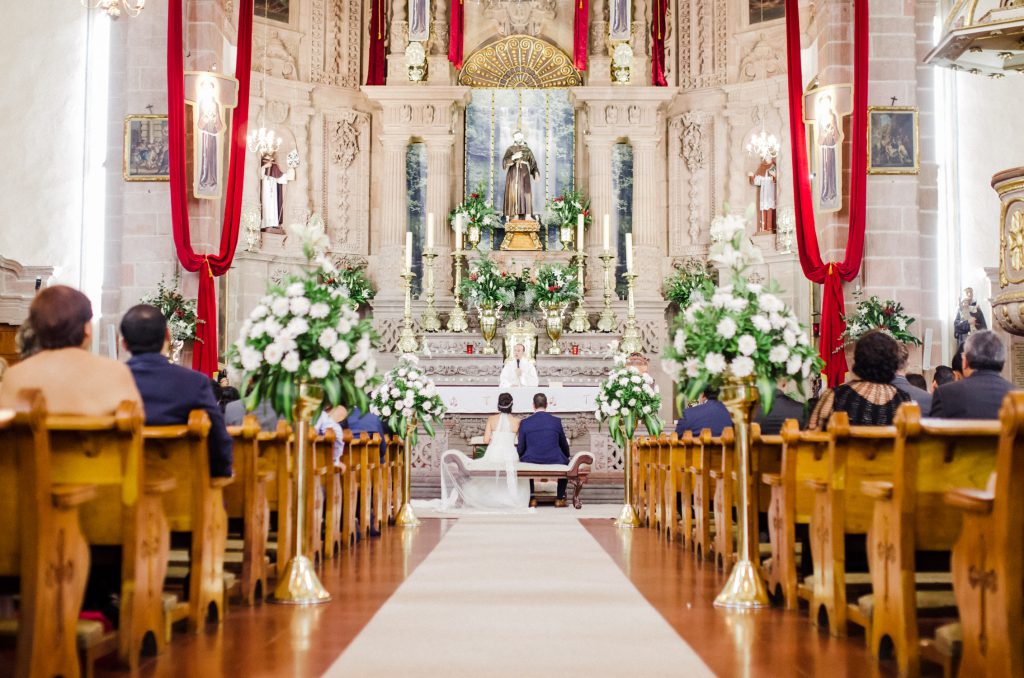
x: 890, y: 130
x: 146, y: 155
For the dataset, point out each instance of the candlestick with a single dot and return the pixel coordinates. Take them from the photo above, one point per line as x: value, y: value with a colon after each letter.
x: 430, y: 321
x: 631, y: 342
x: 457, y: 321
x: 607, y: 322
x: 580, y: 321
x: 407, y: 341
x: 629, y: 252
x: 430, y: 231
x: 408, y: 251
x: 607, y: 232
x: 579, y: 232
x: 458, y: 231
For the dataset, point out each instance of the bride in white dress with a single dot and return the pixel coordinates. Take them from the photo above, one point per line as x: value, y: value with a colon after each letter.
x: 497, y: 489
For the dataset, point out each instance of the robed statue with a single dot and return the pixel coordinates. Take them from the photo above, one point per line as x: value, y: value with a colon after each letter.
x: 521, y: 166
x: 969, y: 318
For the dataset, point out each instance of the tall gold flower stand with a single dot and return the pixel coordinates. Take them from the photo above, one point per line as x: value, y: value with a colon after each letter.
x: 406, y: 517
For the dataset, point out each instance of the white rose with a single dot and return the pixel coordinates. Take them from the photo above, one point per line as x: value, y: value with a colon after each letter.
x: 742, y: 367
x: 344, y: 326
x: 625, y: 411
x: 648, y: 379
x: 747, y: 345
x: 340, y: 351
x: 319, y: 310
x: 297, y: 327
x: 779, y: 354
x: 257, y: 330
x: 761, y: 323
x: 714, y: 363
x: 272, y: 327
x: 299, y: 306
x: 726, y: 327
x: 402, y: 372
x: 251, y: 359
x: 736, y: 304
x: 280, y: 307
x: 273, y: 354
x: 806, y: 367
x: 636, y: 379
x: 793, y: 364
x: 360, y: 379
x: 291, y: 362
x: 296, y: 290
x: 647, y: 409
x: 789, y: 337
x: 395, y: 393
x: 770, y: 303
x: 756, y: 288
x: 259, y: 312
x: 632, y: 402
x: 328, y: 338
x: 286, y: 343
x: 777, y: 321
x: 616, y: 404
x: 692, y: 366
x: 386, y: 411
x: 319, y: 368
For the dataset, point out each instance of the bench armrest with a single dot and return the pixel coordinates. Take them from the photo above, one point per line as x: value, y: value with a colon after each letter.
x: 971, y: 500
x: 65, y: 496
x: 877, y: 489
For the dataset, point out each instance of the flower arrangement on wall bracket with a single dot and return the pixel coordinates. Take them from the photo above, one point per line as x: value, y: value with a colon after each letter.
x: 567, y: 207
x: 476, y: 212
x: 625, y: 399
x: 179, y: 311
x: 680, y: 286
x: 875, y: 314
x: 304, y: 331
x: 407, y: 396
x: 487, y: 287
x: 738, y: 331
x: 353, y: 284
x: 556, y: 285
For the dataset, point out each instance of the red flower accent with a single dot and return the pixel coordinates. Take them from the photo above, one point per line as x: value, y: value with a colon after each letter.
x: 178, y: 312
x: 586, y: 213
x: 889, y: 310
x: 504, y: 274
x: 473, y: 276
x: 474, y: 196
x: 552, y: 288
x: 559, y: 199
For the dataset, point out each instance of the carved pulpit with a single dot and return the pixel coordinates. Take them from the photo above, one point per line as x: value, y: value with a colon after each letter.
x: 824, y: 110
x: 211, y: 96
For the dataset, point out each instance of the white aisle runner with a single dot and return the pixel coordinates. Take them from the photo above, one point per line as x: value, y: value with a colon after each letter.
x: 518, y: 596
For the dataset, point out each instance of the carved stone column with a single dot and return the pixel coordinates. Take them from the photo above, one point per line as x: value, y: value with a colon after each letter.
x: 599, y: 67
x: 393, y: 214
x: 648, y: 218
x: 399, y: 38
x: 439, y: 203
x: 599, y: 189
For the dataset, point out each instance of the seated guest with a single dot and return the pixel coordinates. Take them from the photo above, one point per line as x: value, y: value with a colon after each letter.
x: 170, y: 392
x: 783, y: 408
x: 710, y: 413
x: 957, y: 364
x: 234, y: 413
x: 919, y: 395
x: 73, y: 380
x: 917, y: 380
x: 228, y: 394
x: 979, y: 395
x: 870, y: 399
x: 943, y: 375
x: 368, y: 423
x: 333, y: 419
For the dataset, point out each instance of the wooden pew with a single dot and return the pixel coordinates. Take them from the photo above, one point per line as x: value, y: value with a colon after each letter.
x: 369, y: 460
x: 195, y: 505
x: 703, y: 461
x: 275, y: 453
x: 45, y: 548
x: 791, y: 502
x: 855, y: 454
x: 330, y: 474
x: 246, y: 499
x: 666, y: 485
x: 107, y: 451
x: 988, y: 564
x: 679, y: 463
x: 723, y: 475
x: 909, y: 515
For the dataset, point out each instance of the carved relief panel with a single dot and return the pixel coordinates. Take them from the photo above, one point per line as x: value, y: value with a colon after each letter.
x: 345, y: 204
x: 335, y: 42
x: 691, y: 164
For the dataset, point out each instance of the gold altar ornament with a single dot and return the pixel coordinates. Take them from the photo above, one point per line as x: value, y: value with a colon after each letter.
x: 488, y: 328
x: 520, y: 61
x: 521, y: 235
x: 553, y: 325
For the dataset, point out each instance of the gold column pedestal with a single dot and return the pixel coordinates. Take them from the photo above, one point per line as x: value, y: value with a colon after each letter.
x: 430, y: 321
x: 631, y: 342
x: 607, y: 322
x: 745, y: 589
x: 406, y: 517
x: 407, y: 342
x: 457, y: 321
x: 627, y: 516
x: 299, y: 584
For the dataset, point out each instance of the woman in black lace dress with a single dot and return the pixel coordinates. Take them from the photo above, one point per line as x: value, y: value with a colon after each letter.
x: 869, y: 399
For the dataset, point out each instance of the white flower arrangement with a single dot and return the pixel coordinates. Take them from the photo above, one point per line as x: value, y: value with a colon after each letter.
x: 405, y: 395
x: 738, y: 331
x: 625, y: 399
x: 304, y: 331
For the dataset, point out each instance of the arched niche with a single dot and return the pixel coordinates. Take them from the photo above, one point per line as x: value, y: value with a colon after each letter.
x: 520, y: 61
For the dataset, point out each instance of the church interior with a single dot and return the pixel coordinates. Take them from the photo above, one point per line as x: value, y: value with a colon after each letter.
x: 512, y: 337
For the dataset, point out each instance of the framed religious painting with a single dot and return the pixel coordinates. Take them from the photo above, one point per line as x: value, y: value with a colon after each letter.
x: 145, y: 148
x: 759, y: 11
x: 893, y: 140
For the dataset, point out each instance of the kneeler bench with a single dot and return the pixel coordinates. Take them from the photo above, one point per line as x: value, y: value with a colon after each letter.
x: 576, y: 471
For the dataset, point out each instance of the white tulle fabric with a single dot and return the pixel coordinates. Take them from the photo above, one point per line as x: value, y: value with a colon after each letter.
x: 489, y: 484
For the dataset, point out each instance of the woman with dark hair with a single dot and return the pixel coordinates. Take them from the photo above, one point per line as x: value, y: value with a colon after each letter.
x: 869, y: 399
x: 73, y: 380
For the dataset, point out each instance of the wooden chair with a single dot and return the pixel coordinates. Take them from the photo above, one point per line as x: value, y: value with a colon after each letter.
x: 246, y: 499
x: 723, y: 474
x: 276, y: 455
x: 791, y: 502
x: 988, y: 564
x: 909, y: 515
x: 703, y: 461
x: 44, y: 548
x: 195, y: 505
x: 107, y: 451
x: 855, y: 454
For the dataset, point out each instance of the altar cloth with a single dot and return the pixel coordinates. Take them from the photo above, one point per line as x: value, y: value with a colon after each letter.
x: 484, y: 399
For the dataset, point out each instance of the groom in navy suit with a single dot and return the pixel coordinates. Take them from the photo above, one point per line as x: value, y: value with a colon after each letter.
x: 542, y: 441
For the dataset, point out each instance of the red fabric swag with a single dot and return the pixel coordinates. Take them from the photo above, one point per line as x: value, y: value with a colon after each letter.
x: 581, y: 35
x: 204, y: 358
x: 659, y: 12
x: 377, y: 69
x: 456, y: 22
x: 832, y: 274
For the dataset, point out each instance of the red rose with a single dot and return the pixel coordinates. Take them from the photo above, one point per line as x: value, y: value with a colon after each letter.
x: 559, y: 199
x: 178, y: 312
x: 504, y: 274
x: 586, y: 213
x: 474, y: 196
x: 473, y: 276
x: 552, y: 288
x: 889, y: 310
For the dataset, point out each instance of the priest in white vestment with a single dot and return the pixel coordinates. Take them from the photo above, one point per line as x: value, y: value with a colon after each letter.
x: 519, y: 370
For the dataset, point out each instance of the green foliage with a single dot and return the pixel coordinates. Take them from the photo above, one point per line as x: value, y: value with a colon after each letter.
x: 567, y: 207
x: 875, y: 314
x: 179, y: 311
x: 681, y: 285
x: 556, y: 285
x: 476, y: 211
x: 487, y: 287
x: 353, y: 284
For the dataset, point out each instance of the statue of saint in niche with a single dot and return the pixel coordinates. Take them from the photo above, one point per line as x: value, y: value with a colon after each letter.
x: 521, y: 166
x: 828, y: 139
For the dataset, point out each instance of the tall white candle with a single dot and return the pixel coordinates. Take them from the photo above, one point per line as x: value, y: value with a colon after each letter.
x: 629, y: 252
x: 458, y: 231
x: 408, y: 251
x: 607, y: 232
x: 579, y: 232
x: 430, y: 231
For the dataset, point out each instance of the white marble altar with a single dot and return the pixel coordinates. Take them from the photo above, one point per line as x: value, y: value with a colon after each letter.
x: 477, y: 399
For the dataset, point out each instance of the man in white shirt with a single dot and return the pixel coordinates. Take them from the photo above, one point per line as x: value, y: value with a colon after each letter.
x: 519, y: 370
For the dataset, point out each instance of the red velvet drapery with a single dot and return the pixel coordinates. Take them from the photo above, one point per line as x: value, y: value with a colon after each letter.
x: 204, y: 357
x: 832, y: 273
x: 376, y: 70
x: 658, y: 13
x: 456, y: 22
x: 581, y: 34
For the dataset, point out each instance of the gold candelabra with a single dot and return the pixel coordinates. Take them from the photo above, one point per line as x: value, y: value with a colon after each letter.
x: 631, y: 336
x: 457, y: 321
x: 607, y: 322
x: 580, y: 322
x: 430, y: 321
x: 407, y: 342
